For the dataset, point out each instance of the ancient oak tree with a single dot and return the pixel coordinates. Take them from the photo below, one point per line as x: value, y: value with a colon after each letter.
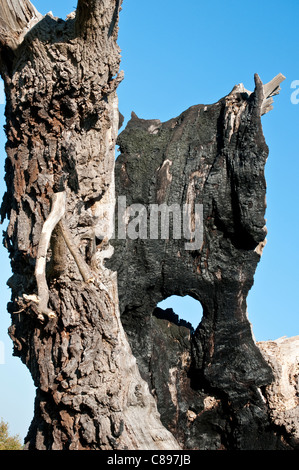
x: 61, y: 124
x: 110, y: 372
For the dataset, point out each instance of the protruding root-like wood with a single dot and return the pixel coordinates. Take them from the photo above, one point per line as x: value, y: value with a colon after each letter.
x: 268, y: 90
x: 56, y: 218
x: 57, y: 212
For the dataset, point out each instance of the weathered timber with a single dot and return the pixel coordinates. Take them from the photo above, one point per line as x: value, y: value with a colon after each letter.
x: 58, y: 204
x: 209, y: 384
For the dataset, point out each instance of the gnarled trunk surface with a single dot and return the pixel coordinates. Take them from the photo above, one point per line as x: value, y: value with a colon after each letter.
x: 62, y: 121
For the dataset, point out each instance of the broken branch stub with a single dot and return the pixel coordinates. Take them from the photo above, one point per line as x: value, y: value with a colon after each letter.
x: 271, y: 89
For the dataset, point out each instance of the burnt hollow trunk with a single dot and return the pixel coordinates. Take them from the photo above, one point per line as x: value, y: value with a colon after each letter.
x: 210, y: 383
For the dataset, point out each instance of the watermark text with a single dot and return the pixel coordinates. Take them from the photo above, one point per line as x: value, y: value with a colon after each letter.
x: 153, y: 222
x: 295, y: 94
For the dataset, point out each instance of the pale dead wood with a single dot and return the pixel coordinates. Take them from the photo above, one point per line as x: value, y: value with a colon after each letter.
x: 57, y: 212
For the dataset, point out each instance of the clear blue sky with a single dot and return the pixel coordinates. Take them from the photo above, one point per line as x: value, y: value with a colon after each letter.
x: 177, y: 54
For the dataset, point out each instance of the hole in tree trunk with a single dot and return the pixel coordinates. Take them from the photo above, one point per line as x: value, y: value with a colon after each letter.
x: 184, y: 311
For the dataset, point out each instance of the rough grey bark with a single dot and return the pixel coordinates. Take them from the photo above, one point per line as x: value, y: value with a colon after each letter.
x: 210, y: 384
x: 61, y: 124
x: 213, y: 387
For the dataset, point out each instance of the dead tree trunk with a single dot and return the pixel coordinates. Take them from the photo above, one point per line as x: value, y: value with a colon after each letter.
x: 213, y: 384
x: 61, y: 124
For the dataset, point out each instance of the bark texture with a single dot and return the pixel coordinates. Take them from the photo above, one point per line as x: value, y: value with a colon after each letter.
x: 210, y: 384
x: 213, y: 388
x: 61, y: 124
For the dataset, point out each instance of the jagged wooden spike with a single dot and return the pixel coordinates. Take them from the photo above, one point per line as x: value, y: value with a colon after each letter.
x: 271, y: 89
